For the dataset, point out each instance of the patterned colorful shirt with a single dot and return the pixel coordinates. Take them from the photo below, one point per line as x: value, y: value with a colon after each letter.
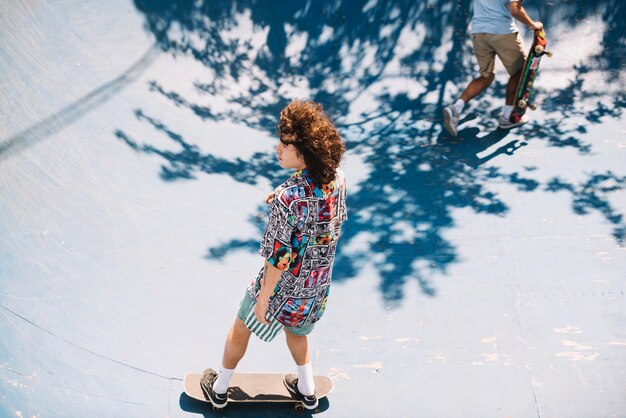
x: 301, y: 239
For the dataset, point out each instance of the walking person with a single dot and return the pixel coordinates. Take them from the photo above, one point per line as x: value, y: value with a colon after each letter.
x: 291, y: 291
x: 494, y: 32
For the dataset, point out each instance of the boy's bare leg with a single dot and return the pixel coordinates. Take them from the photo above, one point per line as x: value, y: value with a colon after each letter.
x: 299, y: 347
x: 477, y: 86
x: 234, y: 350
x: 236, y: 344
x: 451, y: 113
x: 511, y: 87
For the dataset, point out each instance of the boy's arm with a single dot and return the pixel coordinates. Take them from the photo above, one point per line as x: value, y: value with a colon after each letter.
x: 518, y: 12
x: 268, y: 283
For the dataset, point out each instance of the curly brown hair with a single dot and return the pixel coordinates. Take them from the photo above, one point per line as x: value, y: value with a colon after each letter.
x: 306, y: 125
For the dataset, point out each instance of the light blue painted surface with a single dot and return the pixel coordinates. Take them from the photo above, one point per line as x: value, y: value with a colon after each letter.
x: 477, y: 277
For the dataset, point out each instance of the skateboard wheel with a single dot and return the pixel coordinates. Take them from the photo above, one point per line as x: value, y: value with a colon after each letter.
x: 538, y: 49
x: 522, y: 104
x: 549, y: 53
x: 533, y: 106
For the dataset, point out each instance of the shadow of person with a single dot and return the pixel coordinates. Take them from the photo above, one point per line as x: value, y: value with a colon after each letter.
x: 468, y: 145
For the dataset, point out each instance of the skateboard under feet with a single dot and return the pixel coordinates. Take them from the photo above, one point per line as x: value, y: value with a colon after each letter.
x: 257, y: 387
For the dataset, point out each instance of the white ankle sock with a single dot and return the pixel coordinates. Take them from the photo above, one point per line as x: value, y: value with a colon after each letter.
x: 306, y: 385
x: 223, y: 380
x: 506, y: 111
x: 459, y: 105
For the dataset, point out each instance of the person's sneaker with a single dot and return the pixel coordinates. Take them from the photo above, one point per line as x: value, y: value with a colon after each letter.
x: 219, y: 400
x: 450, y: 119
x: 291, y: 383
x: 504, y: 123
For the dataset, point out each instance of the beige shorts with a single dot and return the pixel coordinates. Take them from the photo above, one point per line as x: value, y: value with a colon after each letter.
x: 509, y: 48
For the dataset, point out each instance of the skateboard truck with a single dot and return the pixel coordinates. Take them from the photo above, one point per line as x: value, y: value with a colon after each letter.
x: 523, y: 104
x: 540, y: 49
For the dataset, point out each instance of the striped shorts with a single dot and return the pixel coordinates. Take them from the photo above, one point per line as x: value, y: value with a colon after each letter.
x: 265, y: 332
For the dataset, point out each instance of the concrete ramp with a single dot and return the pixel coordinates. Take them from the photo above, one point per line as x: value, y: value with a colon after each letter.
x: 478, y: 276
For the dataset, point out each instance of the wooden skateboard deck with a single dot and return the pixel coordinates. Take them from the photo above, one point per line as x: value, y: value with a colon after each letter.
x: 523, y: 95
x: 256, y: 387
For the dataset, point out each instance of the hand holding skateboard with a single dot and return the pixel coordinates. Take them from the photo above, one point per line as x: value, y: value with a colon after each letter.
x: 523, y: 95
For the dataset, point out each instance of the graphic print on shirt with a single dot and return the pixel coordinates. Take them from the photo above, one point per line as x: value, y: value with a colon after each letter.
x: 295, y: 311
x: 300, y: 239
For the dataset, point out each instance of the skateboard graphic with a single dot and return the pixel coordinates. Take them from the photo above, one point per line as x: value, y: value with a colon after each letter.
x: 257, y: 387
x: 523, y: 94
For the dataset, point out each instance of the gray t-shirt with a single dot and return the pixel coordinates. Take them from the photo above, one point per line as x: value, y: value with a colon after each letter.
x: 493, y: 16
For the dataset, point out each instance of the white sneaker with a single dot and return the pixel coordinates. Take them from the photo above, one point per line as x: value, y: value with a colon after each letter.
x: 450, y: 119
x: 504, y: 123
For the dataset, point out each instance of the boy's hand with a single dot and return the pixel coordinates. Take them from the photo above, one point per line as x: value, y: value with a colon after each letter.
x: 260, y: 310
x: 536, y: 26
x: 271, y: 275
x: 270, y: 198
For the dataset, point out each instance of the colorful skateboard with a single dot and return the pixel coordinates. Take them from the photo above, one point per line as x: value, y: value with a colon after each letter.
x: 257, y: 387
x: 523, y: 95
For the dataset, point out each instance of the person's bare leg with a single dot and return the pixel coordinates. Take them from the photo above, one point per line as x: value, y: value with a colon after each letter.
x: 451, y: 113
x: 236, y: 344
x: 511, y: 88
x: 234, y: 350
x: 476, y: 86
x: 299, y: 348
